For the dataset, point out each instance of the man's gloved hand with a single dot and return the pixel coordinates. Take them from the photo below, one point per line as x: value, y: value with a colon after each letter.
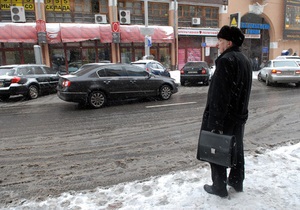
x: 216, y: 131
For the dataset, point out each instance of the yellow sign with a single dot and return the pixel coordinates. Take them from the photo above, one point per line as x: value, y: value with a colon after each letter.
x: 17, y: 2
x: 58, y: 5
x: 6, y: 4
x: 233, y: 22
x: 235, y: 19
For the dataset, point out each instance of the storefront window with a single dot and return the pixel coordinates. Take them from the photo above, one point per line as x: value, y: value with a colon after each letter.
x: 165, y: 55
x: 12, y: 57
x: 29, y: 56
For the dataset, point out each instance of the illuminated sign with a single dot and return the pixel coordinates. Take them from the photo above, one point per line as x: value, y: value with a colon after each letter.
x: 291, y: 28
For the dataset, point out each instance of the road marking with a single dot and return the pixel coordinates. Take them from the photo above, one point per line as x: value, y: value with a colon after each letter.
x: 177, y: 104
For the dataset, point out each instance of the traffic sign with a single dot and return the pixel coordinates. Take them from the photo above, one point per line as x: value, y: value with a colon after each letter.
x: 147, y: 31
x: 115, y: 27
x: 235, y: 20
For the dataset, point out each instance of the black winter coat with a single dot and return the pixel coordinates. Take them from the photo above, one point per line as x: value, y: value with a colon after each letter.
x: 229, y: 91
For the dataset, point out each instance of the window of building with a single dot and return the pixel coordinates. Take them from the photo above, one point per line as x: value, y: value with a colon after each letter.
x: 158, y: 13
x: 135, y: 8
x: 209, y: 15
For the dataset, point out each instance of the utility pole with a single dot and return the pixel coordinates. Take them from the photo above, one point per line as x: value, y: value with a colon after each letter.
x: 147, y: 48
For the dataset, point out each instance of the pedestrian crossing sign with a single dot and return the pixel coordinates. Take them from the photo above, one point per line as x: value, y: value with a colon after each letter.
x: 235, y: 20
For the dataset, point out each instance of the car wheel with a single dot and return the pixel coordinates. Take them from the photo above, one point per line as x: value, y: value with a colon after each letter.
x: 206, y: 83
x: 267, y: 81
x: 97, y: 99
x: 33, y: 92
x: 259, y: 77
x: 165, y: 92
x: 4, y: 97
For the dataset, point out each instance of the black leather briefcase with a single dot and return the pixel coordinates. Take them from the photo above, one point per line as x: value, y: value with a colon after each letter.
x: 217, y: 148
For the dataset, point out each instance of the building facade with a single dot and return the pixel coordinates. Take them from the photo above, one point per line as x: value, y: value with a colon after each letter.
x: 271, y: 27
x: 174, y: 32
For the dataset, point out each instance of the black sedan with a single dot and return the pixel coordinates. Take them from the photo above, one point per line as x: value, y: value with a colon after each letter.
x: 29, y: 80
x: 195, y: 71
x: 95, y: 84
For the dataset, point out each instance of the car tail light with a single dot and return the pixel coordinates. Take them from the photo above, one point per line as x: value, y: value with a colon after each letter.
x: 274, y: 71
x: 66, y: 83
x: 298, y: 72
x: 15, y: 80
x: 182, y: 71
x: 203, y: 71
x: 147, y: 69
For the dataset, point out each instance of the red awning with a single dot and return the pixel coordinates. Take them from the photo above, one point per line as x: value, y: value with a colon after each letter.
x: 53, y: 33
x: 163, y: 34
x: 79, y: 32
x: 68, y: 32
x: 18, y: 32
x: 131, y: 33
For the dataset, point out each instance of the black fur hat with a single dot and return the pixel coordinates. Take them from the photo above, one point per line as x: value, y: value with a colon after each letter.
x: 233, y: 34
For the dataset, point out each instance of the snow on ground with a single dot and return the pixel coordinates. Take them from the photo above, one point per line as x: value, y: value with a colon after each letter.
x: 272, y: 182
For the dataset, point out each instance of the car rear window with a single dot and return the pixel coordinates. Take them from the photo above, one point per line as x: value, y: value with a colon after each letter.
x: 142, y: 65
x: 84, y: 69
x: 196, y: 64
x: 7, y: 71
x: 285, y: 63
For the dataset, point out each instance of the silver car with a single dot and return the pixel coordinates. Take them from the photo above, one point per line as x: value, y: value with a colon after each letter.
x: 280, y: 71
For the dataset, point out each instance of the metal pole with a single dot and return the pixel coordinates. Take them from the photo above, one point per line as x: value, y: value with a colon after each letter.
x: 147, y: 49
x: 39, y: 10
x: 175, y: 34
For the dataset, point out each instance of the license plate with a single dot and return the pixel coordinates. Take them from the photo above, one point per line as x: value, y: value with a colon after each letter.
x: 193, y: 72
x: 288, y: 73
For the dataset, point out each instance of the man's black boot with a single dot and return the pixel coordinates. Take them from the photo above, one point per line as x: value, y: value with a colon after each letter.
x: 236, y: 186
x: 211, y: 190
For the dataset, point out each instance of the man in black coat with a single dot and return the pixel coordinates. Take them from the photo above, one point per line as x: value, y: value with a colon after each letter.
x: 227, y: 106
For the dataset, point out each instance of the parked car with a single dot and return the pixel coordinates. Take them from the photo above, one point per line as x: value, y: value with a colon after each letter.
x: 280, y: 71
x: 288, y: 57
x: 212, y: 71
x: 95, y: 84
x: 29, y: 80
x: 195, y: 72
x: 152, y: 66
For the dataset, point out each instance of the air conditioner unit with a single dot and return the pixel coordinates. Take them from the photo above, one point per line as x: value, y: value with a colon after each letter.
x: 124, y: 16
x: 17, y: 14
x: 100, y: 18
x: 196, y: 21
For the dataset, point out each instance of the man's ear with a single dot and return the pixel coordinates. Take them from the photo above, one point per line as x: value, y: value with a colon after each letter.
x: 230, y: 43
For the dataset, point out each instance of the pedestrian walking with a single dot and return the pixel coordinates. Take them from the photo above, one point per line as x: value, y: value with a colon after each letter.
x: 226, y: 110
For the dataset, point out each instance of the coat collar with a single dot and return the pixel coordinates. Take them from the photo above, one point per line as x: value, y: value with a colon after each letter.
x: 231, y: 49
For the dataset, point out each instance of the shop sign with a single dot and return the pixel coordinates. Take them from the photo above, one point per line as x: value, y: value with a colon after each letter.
x: 252, y: 31
x: 6, y: 4
x: 191, y: 32
x: 252, y: 36
x: 58, y: 5
x: 255, y: 25
x: 146, y: 31
x: 211, y: 41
